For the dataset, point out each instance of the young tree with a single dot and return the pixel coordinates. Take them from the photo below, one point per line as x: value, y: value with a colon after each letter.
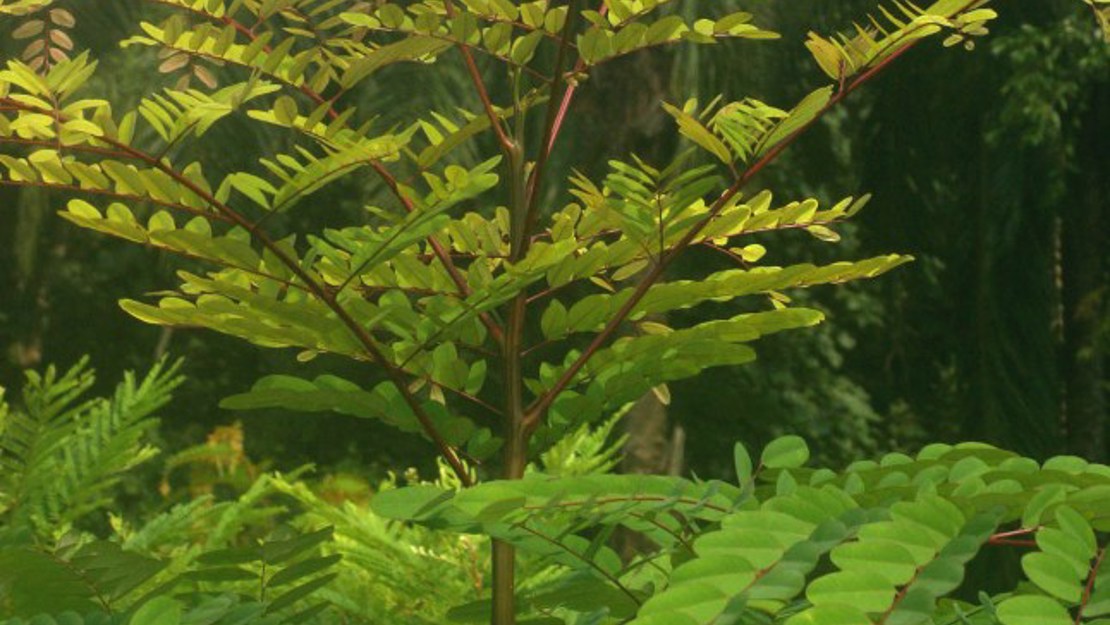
x: 497, y: 315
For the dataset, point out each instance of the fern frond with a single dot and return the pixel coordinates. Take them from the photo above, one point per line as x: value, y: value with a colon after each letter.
x: 390, y: 572
x: 62, y: 456
x: 98, y: 576
x: 587, y: 450
x: 34, y: 436
x: 168, y: 528
x: 108, y: 442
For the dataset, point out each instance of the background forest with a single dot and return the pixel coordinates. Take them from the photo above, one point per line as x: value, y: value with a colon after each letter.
x: 988, y: 165
x: 998, y: 332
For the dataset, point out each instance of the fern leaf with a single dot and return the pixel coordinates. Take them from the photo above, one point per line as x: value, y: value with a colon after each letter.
x: 63, y: 456
x: 98, y: 576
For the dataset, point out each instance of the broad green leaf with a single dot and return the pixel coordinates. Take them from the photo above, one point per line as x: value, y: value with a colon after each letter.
x: 831, y: 614
x: 160, y: 610
x: 411, y: 503
x: 885, y: 557
x: 1076, y: 526
x: 1053, y: 574
x: 1032, y: 610
x: 866, y: 591
x: 1067, y: 546
x: 787, y: 452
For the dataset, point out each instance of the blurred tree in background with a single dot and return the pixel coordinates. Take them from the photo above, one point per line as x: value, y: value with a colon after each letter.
x: 998, y: 332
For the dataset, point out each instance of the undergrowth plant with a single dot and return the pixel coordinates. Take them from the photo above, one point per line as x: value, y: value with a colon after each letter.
x: 498, y: 309
x: 64, y: 456
x: 69, y: 553
x: 887, y: 541
x: 265, y: 548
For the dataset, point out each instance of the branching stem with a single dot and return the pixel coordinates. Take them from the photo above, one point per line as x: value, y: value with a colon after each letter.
x: 537, y: 412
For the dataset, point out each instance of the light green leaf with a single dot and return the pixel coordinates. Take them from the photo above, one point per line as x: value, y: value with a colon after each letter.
x: 693, y: 130
x: 161, y: 610
x: 867, y: 591
x: 885, y: 557
x: 787, y: 452
x: 742, y: 460
x: 1076, y: 526
x: 1032, y: 610
x: 1052, y: 574
x: 832, y: 614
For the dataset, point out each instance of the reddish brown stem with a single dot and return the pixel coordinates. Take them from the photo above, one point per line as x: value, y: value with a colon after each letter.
x: 1003, y: 542
x: 568, y: 96
x: 503, y: 139
x: 1021, y: 531
x: 1089, y: 587
x: 547, y: 144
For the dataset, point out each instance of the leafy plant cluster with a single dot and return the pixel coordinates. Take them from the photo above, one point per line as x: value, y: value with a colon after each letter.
x: 64, y: 456
x: 275, y: 549
x: 439, y: 300
x: 276, y: 552
x: 882, y: 541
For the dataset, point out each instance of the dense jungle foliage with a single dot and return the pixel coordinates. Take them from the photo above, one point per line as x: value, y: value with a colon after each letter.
x: 515, y: 260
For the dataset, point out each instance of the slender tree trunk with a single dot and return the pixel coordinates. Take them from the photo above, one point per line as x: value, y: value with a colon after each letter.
x: 1084, y: 294
x: 983, y: 422
x: 28, y: 244
x: 653, y: 448
x: 515, y: 459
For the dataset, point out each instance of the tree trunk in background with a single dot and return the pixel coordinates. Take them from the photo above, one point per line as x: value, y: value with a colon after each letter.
x: 1085, y: 242
x: 638, y: 84
x: 28, y: 241
x: 650, y: 442
x: 983, y: 422
x: 653, y: 447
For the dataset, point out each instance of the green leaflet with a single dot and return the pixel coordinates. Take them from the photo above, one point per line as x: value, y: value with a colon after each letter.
x: 1032, y: 610
x: 588, y: 313
x: 383, y: 402
x: 809, y: 109
x: 699, y: 134
x: 159, y: 611
x: 788, y: 452
x: 411, y: 49
x: 601, y: 498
